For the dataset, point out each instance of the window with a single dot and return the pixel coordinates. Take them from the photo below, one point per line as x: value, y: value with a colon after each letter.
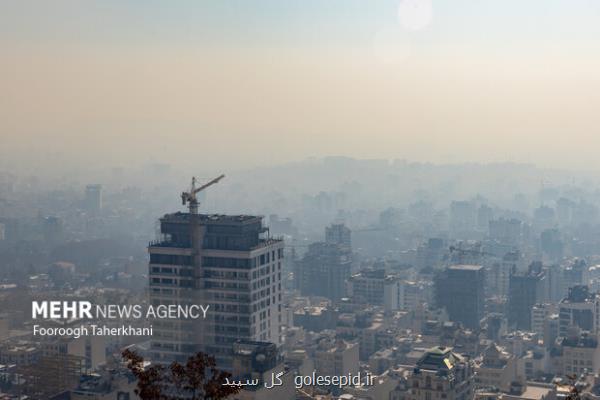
x: 226, y: 262
x: 170, y: 259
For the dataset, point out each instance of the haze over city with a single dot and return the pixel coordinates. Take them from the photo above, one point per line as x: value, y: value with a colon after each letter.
x: 110, y: 83
x: 297, y: 200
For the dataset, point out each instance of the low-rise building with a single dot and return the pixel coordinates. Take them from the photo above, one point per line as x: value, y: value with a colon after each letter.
x: 497, y: 369
x: 442, y: 374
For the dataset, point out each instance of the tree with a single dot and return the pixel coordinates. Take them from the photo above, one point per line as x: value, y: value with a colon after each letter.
x: 197, y: 379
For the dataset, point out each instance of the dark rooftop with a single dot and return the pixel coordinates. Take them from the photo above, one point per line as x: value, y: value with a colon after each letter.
x: 583, y: 341
x: 180, y: 217
x: 438, y: 358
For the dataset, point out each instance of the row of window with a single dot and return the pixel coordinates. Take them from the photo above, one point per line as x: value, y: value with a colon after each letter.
x: 231, y: 297
x: 185, y: 283
x: 172, y: 271
x: 231, y: 308
x: 220, y: 274
x: 226, y: 285
x: 241, y: 263
x: 170, y: 259
x: 229, y: 262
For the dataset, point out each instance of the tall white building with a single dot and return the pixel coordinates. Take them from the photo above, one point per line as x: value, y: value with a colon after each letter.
x: 405, y: 295
x: 225, y: 262
x: 540, y: 313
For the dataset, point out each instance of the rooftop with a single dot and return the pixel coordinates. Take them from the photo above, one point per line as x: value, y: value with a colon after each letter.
x: 465, y: 267
x: 533, y: 392
x: 583, y: 341
x: 439, y: 358
x: 180, y: 217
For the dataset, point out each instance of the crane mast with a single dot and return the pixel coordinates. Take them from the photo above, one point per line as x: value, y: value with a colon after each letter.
x: 190, y: 197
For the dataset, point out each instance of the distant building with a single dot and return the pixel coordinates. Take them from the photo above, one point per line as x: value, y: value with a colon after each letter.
x: 50, y: 376
x: 405, y: 295
x: 113, y: 384
x: 93, y: 197
x: 431, y: 253
x: 499, y: 274
x: 506, y: 231
x: 24, y: 353
x: 11, y: 229
x: 281, y: 226
x: 551, y: 329
x: 52, y: 229
x: 367, y: 286
x: 338, y: 234
x: 580, y: 309
x: 324, y: 270
x: 460, y: 290
x: 574, y: 273
x: 580, y: 354
x: 441, y: 374
x: 463, y: 218
x: 316, y: 319
x: 336, y: 357
x: 544, y: 218
x: 526, y: 290
x: 540, y: 313
x: 90, y: 349
x: 552, y: 244
x: 484, y: 216
x: 495, y: 326
x: 261, y: 361
x: 497, y: 369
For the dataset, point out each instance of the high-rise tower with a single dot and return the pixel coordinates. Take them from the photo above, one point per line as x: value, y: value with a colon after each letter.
x: 227, y: 262
x: 459, y: 289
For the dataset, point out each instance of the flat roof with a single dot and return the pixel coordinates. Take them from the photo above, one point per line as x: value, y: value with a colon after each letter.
x: 466, y: 267
x: 181, y: 217
x: 534, y: 392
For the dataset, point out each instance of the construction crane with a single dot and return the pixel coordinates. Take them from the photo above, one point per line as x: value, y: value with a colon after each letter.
x: 190, y: 197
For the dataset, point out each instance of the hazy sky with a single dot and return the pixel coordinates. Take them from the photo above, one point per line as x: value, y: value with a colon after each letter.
x: 256, y: 82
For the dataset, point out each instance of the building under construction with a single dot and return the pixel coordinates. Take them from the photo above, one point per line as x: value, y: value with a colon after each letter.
x: 228, y: 262
x: 50, y: 376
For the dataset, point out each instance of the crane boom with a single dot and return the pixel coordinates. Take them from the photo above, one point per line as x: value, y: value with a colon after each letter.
x: 190, y: 197
x: 216, y: 180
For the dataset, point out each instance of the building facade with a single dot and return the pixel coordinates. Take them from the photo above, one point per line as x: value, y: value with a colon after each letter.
x: 460, y: 290
x: 324, y: 270
x: 222, y: 261
x: 526, y: 290
x: 441, y: 374
x: 580, y: 309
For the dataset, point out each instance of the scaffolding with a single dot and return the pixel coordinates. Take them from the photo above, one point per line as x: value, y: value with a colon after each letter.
x: 50, y: 376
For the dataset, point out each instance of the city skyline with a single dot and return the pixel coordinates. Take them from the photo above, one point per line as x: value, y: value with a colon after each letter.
x: 293, y: 200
